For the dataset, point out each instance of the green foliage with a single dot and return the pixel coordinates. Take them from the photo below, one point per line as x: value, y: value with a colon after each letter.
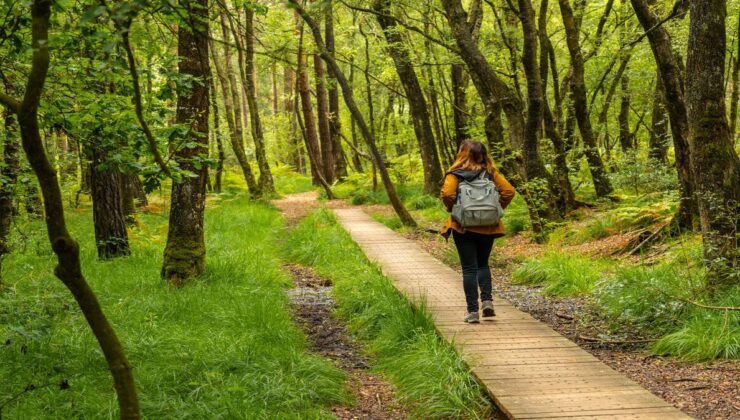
x: 640, y: 176
x: 222, y: 346
x: 426, y: 371
x: 561, y: 274
x: 516, y: 216
x: 288, y: 181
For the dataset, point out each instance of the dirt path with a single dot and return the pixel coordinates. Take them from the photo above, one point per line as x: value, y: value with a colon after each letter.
x: 313, y: 308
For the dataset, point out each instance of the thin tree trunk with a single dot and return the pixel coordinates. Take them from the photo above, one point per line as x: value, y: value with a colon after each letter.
x: 266, y: 184
x: 9, y: 178
x: 322, y: 111
x: 340, y: 162
x: 713, y: 157
x: 601, y: 182
x: 233, y: 119
x: 356, y: 162
x: 221, y: 156
x: 68, y: 268
x: 658, y: 143
x: 625, y: 135
x: 184, y: 254
x: 565, y: 196
x: 671, y: 75
x: 311, y: 136
x: 735, y: 87
x: 415, y: 96
x: 349, y: 100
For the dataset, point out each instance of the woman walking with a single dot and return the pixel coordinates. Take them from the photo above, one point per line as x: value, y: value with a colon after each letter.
x: 474, y: 240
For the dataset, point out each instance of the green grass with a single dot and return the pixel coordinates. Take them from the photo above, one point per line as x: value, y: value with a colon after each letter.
x: 427, y: 372
x: 223, y: 346
x: 288, y: 181
x: 562, y: 275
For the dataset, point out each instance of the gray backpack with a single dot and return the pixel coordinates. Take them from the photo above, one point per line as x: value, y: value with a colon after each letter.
x: 477, y: 202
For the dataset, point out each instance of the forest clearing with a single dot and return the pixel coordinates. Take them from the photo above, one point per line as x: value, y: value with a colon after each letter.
x: 233, y: 208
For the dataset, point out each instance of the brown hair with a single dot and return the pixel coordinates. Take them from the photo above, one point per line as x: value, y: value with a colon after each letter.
x: 473, y: 155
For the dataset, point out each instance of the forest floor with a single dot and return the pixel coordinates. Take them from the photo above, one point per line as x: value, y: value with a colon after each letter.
x: 313, y: 308
x: 702, y: 390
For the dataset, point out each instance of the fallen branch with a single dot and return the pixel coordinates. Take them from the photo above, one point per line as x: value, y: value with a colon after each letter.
x: 599, y: 340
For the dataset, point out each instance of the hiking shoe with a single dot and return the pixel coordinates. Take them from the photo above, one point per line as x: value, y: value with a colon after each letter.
x: 472, y: 318
x: 488, y: 309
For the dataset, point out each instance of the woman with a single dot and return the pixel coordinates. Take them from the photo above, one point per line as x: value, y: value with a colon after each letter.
x: 474, y: 243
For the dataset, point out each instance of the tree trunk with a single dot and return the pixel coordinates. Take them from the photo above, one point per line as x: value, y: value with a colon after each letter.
x: 735, y: 88
x: 625, y: 135
x: 8, y: 181
x: 459, y: 79
x: 128, y: 198
x: 713, y: 157
x: 184, y: 255
x: 322, y: 111
x: 356, y: 162
x: 349, y: 100
x: 266, y: 184
x: 415, y: 96
x: 658, y: 143
x: 340, y: 162
x: 233, y: 120
x: 221, y: 156
x: 565, y: 196
x: 289, y: 92
x: 671, y: 75
x: 578, y: 86
x: 311, y: 136
x: 68, y: 268
x: 539, y: 181
x: 111, y: 238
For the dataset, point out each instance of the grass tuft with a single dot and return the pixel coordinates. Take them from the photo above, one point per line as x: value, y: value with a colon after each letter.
x: 562, y: 275
x: 427, y: 372
x: 223, y: 345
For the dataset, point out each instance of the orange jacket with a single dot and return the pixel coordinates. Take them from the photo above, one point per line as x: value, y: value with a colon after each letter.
x: 448, y: 194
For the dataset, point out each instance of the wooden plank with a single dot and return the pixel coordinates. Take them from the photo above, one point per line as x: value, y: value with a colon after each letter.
x: 531, y: 371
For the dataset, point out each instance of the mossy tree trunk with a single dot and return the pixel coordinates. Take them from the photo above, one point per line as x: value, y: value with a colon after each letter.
x: 68, y: 268
x: 8, y: 181
x: 658, y: 142
x: 601, y: 182
x: 111, y: 238
x: 713, y: 157
x: 672, y: 79
x: 340, y: 160
x: 184, y: 255
x: 266, y: 183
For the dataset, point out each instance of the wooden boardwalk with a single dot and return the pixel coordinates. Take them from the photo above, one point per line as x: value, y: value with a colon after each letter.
x: 531, y: 371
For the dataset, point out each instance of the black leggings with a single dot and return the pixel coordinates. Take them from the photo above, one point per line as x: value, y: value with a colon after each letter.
x: 474, y: 250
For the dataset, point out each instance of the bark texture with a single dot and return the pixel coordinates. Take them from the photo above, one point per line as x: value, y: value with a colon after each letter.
x: 672, y: 82
x: 714, y: 160
x: 185, y: 252
x: 417, y: 103
x: 580, y: 102
x: 266, y: 184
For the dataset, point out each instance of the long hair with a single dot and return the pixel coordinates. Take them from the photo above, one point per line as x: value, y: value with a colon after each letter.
x: 473, y: 155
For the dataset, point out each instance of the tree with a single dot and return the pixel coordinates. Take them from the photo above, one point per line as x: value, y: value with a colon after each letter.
x: 68, y: 268
x: 335, y: 127
x: 713, y: 158
x: 672, y: 84
x: 602, y: 185
x: 417, y: 103
x: 8, y: 180
x: 266, y: 184
x: 349, y: 100
x: 184, y: 254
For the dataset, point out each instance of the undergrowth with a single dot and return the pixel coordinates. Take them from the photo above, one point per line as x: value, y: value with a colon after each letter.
x: 427, y: 372
x: 223, y: 346
x: 561, y: 274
